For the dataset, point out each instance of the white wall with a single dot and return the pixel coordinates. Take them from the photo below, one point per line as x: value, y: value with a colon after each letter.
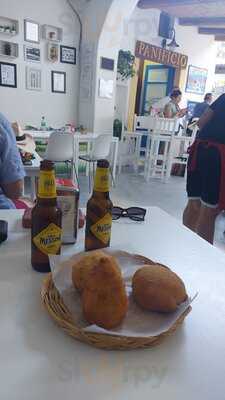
x: 103, y: 27
x: 201, y: 49
x: 28, y: 106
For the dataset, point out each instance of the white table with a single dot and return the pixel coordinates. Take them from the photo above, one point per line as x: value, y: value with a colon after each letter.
x: 80, y: 138
x: 39, y: 361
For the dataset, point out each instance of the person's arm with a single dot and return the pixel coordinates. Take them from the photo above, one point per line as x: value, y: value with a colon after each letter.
x: 11, y: 167
x: 13, y: 190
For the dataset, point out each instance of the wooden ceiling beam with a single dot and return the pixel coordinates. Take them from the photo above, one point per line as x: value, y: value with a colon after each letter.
x: 211, y: 31
x: 170, y: 3
x: 202, y: 21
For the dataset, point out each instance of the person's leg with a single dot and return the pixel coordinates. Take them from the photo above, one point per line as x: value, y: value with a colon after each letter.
x: 191, y: 214
x: 206, y: 222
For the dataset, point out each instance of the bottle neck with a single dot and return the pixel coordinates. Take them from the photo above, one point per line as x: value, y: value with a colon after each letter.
x: 47, y: 187
x: 101, y: 183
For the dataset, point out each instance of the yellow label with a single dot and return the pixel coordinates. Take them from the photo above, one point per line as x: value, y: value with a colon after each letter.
x: 47, y: 186
x: 49, y: 240
x: 102, y: 229
x: 102, y: 180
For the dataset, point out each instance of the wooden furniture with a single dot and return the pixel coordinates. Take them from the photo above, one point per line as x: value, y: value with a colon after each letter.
x: 43, y: 362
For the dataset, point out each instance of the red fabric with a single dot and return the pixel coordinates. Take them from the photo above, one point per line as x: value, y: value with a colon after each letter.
x: 20, y: 205
x: 193, y: 150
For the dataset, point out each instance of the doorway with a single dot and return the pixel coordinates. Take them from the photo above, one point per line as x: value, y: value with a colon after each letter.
x: 158, y: 83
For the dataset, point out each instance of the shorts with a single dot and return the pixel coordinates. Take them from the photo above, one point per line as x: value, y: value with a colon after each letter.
x: 204, y: 182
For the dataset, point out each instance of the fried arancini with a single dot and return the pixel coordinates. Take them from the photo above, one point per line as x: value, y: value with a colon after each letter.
x: 104, y: 298
x: 83, y: 266
x: 156, y: 288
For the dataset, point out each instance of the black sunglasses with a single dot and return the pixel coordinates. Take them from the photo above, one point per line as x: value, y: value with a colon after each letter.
x: 134, y: 213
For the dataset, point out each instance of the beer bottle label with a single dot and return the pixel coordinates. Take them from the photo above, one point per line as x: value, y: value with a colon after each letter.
x: 48, y: 241
x: 102, y: 229
x: 101, y: 180
x: 47, y: 186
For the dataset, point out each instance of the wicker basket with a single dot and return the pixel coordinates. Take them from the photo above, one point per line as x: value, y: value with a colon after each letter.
x: 55, y: 306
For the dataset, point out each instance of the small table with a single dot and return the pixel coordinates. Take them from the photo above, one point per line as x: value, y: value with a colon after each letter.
x: 39, y: 361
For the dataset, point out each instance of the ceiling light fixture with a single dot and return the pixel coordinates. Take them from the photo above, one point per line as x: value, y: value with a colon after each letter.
x: 173, y: 44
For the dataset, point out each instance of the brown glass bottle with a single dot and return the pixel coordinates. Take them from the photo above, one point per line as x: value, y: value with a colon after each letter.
x: 46, y: 220
x: 99, y: 211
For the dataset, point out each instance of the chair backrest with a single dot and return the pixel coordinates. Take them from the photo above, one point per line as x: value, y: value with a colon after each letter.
x: 164, y: 126
x: 101, y: 146
x: 60, y: 147
x: 141, y: 123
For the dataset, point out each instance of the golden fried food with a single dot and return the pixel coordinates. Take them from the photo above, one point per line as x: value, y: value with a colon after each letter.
x: 157, y: 288
x: 104, y: 298
x: 83, y: 266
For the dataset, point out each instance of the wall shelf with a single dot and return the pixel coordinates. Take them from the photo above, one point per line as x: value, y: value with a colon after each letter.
x: 8, y: 26
x: 9, y: 49
x: 52, y: 33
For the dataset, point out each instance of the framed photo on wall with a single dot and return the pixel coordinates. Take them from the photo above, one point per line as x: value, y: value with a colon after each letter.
x: 8, y: 75
x: 31, y: 31
x: 53, y: 52
x: 58, y: 82
x: 32, y: 54
x: 68, y: 55
x: 196, y: 80
x: 33, y: 78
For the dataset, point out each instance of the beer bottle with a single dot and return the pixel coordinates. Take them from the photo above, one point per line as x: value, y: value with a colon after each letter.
x: 99, y: 210
x: 46, y: 220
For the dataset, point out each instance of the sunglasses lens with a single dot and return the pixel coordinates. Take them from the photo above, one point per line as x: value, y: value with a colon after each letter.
x: 136, y: 213
x: 116, y: 213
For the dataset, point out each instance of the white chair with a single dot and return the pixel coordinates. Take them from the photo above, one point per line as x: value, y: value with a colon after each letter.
x: 159, y: 158
x: 100, y: 150
x: 128, y: 151
x: 61, y: 148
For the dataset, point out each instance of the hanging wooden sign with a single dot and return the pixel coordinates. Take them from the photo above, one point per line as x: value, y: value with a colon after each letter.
x: 160, y: 55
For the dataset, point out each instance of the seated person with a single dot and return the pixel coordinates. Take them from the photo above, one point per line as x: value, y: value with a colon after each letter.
x: 200, y: 108
x: 172, y: 109
x: 11, y: 167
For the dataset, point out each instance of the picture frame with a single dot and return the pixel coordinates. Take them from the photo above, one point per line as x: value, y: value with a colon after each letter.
x: 196, y: 80
x: 8, y: 75
x: 107, y: 63
x: 106, y: 88
x: 53, y: 52
x: 33, y: 78
x: 68, y: 55
x: 58, y: 82
x: 32, y: 54
x: 31, y: 31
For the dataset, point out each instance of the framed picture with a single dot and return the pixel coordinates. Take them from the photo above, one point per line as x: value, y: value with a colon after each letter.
x: 106, y: 88
x: 58, y: 82
x: 31, y: 31
x: 107, y: 63
x: 53, y: 52
x: 67, y: 55
x: 32, y: 54
x: 191, y: 106
x: 196, y: 80
x: 33, y: 78
x: 8, y: 75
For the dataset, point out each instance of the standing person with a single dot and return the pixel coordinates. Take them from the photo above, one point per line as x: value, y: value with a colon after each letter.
x: 159, y: 106
x: 172, y: 108
x: 206, y: 173
x: 11, y: 167
x: 200, y: 108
